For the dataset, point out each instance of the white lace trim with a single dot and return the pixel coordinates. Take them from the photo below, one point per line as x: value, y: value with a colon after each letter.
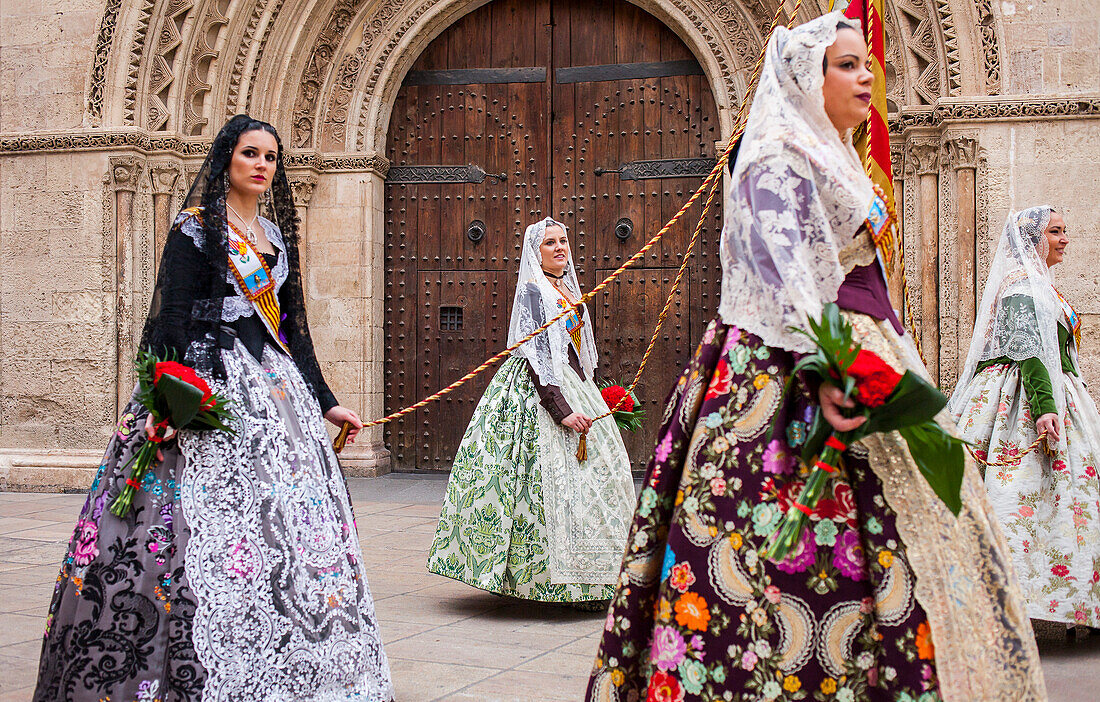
x: 588, y: 506
x: 238, y: 306
x: 283, y: 608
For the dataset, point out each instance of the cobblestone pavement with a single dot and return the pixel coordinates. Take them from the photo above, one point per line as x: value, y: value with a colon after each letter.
x: 446, y: 641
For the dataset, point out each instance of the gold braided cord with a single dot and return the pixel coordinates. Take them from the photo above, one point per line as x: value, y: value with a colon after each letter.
x: 1014, y: 460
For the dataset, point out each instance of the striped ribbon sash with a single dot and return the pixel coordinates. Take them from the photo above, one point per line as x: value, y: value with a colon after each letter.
x: 573, y: 323
x: 882, y: 227
x: 256, y: 281
x: 1072, y: 318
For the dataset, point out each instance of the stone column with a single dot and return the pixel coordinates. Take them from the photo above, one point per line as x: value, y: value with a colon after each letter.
x: 962, y: 155
x: 369, y: 455
x: 896, y: 282
x: 163, y: 177
x: 301, y: 188
x: 124, y: 174
x: 925, y: 158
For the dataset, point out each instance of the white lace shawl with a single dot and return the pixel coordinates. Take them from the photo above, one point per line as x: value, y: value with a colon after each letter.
x: 536, y: 302
x: 798, y: 196
x: 237, y: 306
x: 1019, y: 313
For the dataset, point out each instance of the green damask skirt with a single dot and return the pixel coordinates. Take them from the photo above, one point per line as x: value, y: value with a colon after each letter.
x: 522, y: 517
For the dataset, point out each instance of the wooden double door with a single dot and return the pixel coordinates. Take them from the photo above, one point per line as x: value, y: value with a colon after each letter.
x: 593, y: 113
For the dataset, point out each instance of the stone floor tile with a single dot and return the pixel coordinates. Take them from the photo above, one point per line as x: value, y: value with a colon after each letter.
x: 11, y: 526
x: 513, y: 685
x: 29, y: 575
x: 25, y: 650
x: 20, y: 628
x: 419, y: 681
x: 440, y: 646
x: 21, y: 695
x: 16, y: 599
x: 45, y: 531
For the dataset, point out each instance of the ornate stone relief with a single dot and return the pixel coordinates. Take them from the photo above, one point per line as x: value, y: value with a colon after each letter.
x: 137, y: 51
x: 321, y: 57
x: 161, y: 71
x: 990, y: 51
x: 301, y: 186
x: 203, y: 58
x: 101, y: 54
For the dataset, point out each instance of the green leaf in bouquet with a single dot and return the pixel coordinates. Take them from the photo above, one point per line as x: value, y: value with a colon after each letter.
x: 815, y: 438
x: 913, y: 401
x: 939, y: 456
x: 183, y: 399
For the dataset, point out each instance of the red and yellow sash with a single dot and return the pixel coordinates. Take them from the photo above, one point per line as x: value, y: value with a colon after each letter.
x: 1072, y: 318
x: 880, y: 221
x: 573, y: 323
x: 256, y: 281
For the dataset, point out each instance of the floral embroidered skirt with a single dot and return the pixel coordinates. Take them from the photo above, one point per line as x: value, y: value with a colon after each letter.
x: 1049, y: 506
x: 521, y: 516
x: 236, y: 576
x: 699, y: 615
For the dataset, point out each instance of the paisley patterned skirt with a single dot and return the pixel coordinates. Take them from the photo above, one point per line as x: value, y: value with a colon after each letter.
x: 521, y: 516
x: 699, y: 615
x: 238, y: 573
x: 1049, y: 505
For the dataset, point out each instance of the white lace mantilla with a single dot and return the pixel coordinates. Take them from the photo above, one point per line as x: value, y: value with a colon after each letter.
x: 283, y: 607
x: 798, y: 196
x: 237, y: 306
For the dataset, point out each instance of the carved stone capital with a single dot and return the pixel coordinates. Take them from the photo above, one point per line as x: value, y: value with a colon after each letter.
x: 301, y: 186
x: 924, y: 157
x: 962, y: 152
x: 125, y: 172
x: 163, y: 177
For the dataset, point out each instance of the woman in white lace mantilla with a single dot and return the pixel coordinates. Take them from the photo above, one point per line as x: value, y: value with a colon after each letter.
x: 1021, y: 379
x: 238, y: 574
x: 888, y: 596
x: 522, y: 516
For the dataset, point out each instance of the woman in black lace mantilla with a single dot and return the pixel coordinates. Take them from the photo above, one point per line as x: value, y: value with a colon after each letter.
x: 238, y: 572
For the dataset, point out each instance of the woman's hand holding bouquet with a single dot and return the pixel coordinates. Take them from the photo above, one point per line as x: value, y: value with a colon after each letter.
x: 884, y: 400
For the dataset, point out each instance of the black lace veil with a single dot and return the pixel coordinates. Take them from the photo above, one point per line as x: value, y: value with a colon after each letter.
x: 186, y: 309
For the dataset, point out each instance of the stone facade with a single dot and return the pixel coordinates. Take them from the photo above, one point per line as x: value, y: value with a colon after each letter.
x: 107, y: 106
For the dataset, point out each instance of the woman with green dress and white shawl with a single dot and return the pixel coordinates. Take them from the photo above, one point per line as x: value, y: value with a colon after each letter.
x: 1021, y: 379
x: 522, y: 515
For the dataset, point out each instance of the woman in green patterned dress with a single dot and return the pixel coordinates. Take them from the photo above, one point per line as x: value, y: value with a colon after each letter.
x: 522, y: 515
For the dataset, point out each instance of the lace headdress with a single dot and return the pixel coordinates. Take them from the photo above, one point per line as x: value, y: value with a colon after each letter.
x: 189, y: 325
x: 798, y: 197
x: 1019, y: 312
x: 537, y: 302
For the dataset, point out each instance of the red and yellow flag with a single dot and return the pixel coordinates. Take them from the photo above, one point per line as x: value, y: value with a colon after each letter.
x: 872, y: 139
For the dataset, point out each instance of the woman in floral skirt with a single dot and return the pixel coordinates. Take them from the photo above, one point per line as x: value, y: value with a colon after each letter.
x: 1021, y: 379
x: 523, y: 516
x: 888, y: 596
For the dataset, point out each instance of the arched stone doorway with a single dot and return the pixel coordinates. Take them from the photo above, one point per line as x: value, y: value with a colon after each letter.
x: 595, y: 114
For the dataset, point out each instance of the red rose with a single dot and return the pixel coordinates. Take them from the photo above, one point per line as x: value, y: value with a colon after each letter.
x: 664, y: 688
x: 613, y: 393
x: 187, y: 375
x: 875, y: 380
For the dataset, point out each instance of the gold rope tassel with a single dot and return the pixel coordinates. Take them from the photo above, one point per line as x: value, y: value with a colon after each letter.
x: 582, y: 448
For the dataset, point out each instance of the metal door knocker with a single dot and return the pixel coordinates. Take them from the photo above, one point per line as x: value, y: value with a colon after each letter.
x: 476, y: 231
x: 624, y: 228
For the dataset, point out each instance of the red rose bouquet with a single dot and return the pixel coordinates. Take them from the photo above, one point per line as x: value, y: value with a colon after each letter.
x: 626, y: 409
x: 890, y: 401
x: 176, y: 397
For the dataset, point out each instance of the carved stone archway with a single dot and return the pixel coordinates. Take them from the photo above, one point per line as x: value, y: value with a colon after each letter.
x: 165, y: 73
